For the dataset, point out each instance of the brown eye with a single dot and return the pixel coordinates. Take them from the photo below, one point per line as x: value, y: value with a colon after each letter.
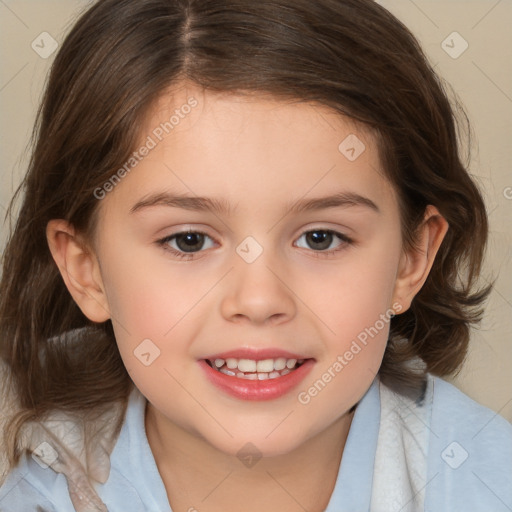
x: 321, y: 240
x: 189, y: 242
x: 186, y: 243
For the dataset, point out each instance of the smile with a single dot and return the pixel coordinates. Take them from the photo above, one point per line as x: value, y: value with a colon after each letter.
x: 263, y: 378
x: 251, y: 369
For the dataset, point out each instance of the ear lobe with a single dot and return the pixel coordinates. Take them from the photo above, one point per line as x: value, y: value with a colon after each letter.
x: 79, y: 269
x: 415, y: 264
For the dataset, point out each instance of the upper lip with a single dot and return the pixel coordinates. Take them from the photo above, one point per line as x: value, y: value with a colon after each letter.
x: 256, y: 354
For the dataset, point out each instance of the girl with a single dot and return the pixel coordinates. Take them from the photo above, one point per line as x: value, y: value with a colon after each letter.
x: 246, y: 253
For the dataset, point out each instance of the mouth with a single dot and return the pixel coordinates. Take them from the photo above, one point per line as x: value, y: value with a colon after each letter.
x: 256, y: 375
x: 251, y: 369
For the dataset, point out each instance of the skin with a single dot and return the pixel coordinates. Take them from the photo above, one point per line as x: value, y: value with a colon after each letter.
x: 258, y: 155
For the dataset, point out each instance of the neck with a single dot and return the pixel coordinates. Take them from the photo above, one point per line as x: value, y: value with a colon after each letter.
x: 196, y: 474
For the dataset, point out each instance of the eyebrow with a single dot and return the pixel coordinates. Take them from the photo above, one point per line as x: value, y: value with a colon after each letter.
x: 221, y: 206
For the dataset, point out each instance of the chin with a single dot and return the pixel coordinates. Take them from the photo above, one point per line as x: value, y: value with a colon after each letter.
x: 255, y: 446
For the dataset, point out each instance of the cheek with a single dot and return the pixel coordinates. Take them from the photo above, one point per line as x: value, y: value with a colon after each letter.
x: 360, y: 290
x: 149, y: 294
x: 144, y: 307
x: 358, y: 313
x: 358, y: 309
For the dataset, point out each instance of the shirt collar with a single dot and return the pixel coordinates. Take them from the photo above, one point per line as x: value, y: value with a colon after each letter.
x: 353, y: 488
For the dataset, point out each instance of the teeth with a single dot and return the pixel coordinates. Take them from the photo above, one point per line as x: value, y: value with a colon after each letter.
x: 231, y: 362
x: 280, y: 364
x: 256, y: 370
x: 247, y: 365
x: 265, y: 366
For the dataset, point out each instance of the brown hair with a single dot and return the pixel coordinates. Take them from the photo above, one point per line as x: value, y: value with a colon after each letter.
x: 350, y: 55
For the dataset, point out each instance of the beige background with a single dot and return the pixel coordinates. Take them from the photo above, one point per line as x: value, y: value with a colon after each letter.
x: 481, y: 76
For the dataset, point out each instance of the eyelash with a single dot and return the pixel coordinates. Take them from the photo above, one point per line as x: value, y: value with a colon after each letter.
x: 164, y: 243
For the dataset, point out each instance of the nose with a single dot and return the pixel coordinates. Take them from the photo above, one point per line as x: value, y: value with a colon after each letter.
x: 258, y: 293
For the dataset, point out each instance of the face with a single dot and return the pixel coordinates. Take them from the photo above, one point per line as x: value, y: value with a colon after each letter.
x: 261, y: 269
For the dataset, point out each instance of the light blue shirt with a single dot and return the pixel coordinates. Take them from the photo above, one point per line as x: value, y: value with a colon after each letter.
x: 468, y: 462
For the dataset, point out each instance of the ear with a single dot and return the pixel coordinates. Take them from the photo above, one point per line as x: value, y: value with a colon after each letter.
x: 79, y: 269
x: 415, y: 264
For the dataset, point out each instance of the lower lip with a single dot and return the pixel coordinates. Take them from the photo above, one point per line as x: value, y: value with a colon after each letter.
x: 267, y: 389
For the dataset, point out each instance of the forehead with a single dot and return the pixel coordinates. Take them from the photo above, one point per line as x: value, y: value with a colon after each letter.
x: 236, y: 112
x: 250, y: 148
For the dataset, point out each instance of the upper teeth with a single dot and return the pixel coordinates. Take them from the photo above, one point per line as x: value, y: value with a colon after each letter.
x: 251, y: 365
